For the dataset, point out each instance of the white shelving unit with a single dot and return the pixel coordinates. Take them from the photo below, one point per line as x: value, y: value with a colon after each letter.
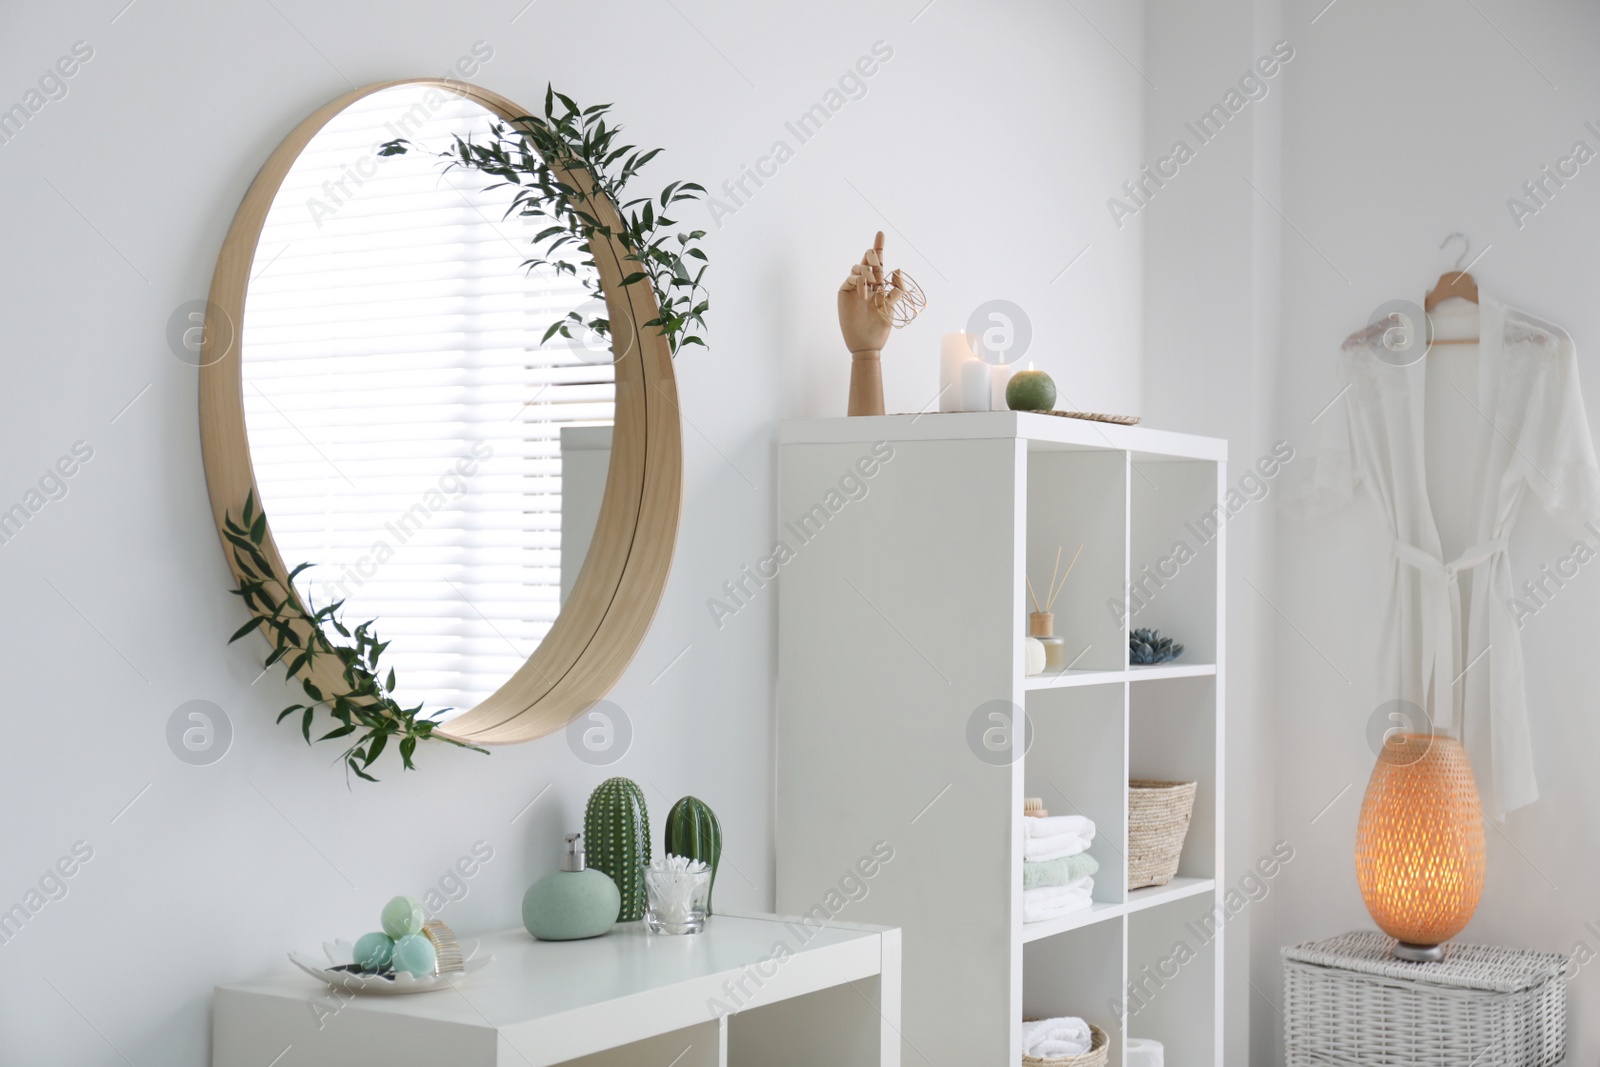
x: 902, y: 616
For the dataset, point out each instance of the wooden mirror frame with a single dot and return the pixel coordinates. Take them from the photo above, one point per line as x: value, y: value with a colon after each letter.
x: 619, y: 588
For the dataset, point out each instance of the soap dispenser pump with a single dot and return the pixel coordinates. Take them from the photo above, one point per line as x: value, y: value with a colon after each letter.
x: 575, y: 902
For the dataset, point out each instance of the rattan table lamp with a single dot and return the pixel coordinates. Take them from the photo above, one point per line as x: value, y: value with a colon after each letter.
x: 1419, y: 843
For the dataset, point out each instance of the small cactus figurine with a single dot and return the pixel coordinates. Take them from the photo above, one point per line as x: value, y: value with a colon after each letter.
x: 1146, y: 647
x: 692, y: 830
x: 616, y: 832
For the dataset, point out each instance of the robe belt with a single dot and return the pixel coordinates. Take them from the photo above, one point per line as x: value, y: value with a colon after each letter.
x: 1441, y: 619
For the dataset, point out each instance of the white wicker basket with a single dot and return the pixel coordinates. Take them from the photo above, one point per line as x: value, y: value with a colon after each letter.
x: 1349, y: 1002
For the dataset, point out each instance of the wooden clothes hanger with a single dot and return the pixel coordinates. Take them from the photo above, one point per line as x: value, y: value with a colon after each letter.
x: 1453, y: 283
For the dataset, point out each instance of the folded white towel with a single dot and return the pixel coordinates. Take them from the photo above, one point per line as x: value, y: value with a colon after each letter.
x: 1056, y: 825
x: 1050, y: 1050
x: 1037, y: 849
x: 1048, y: 1038
x: 1056, y: 892
x: 1052, y: 902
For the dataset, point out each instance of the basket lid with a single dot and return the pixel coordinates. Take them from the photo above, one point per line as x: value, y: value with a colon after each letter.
x: 1485, y: 967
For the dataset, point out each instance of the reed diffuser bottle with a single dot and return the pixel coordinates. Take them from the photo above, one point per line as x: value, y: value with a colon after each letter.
x: 1041, y: 626
x: 1042, y: 621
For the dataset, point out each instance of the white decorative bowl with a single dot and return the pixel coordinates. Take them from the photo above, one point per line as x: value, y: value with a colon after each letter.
x: 341, y: 953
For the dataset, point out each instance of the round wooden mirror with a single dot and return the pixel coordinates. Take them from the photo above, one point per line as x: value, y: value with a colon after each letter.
x: 375, y: 371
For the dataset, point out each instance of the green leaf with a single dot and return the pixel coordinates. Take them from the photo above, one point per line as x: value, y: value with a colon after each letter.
x: 305, y: 724
x: 246, y: 628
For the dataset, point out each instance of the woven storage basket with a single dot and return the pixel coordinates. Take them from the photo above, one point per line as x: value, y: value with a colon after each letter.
x: 1158, y: 821
x: 1347, y: 1002
x: 1099, y: 1049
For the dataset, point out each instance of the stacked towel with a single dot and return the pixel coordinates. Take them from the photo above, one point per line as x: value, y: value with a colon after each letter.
x: 1050, y: 1038
x: 1056, y: 867
x: 1052, y: 902
x: 1055, y: 837
x: 1058, y: 872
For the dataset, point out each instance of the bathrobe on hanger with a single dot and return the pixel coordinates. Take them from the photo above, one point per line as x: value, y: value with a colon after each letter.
x: 1450, y: 641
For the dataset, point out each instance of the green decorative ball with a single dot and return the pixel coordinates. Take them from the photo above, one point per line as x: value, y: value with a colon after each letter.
x: 402, y: 916
x: 373, y: 951
x: 414, y: 954
x: 1031, y: 390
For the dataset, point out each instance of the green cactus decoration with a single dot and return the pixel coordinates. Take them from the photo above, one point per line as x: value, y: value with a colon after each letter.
x: 616, y: 832
x: 692, y: 830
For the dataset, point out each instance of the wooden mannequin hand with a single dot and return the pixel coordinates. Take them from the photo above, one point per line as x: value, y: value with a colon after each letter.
x: 864, y: 308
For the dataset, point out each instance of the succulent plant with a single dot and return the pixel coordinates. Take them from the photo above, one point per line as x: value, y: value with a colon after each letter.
x: 1146, y: 647
x: 616, y: 832
x: 692, y: 830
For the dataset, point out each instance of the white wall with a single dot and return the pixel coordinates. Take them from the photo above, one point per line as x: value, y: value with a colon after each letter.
x: 984, y: 148
x: 1211, y: 302
x: 1403, y: 123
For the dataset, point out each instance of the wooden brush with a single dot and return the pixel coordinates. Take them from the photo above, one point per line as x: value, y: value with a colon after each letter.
x: 446, y: 949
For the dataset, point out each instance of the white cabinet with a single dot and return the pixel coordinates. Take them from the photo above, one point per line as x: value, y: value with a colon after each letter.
x: 727, y: 996
x: 902, y: 617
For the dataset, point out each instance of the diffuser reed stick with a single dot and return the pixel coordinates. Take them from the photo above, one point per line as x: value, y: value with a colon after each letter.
x: 1054, y: 588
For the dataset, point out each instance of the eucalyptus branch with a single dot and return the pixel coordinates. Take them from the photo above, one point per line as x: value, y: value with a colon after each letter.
x: 543, y: 158
x: 363, y: 709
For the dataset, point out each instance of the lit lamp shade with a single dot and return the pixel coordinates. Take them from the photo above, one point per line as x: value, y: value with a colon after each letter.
x: 1419, y: 844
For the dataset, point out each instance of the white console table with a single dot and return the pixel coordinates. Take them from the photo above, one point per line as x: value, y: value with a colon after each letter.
x: 727, y: 996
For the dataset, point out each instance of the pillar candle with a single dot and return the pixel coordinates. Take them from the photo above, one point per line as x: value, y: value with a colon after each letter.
x: 999, y: 378
x: 954, y: 350
x: 975, y: 389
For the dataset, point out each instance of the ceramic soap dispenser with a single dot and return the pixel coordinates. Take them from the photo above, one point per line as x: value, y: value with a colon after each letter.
x: 574, y: 902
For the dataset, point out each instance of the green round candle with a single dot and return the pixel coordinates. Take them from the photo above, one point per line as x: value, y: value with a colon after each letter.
x: 1030, y: 390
